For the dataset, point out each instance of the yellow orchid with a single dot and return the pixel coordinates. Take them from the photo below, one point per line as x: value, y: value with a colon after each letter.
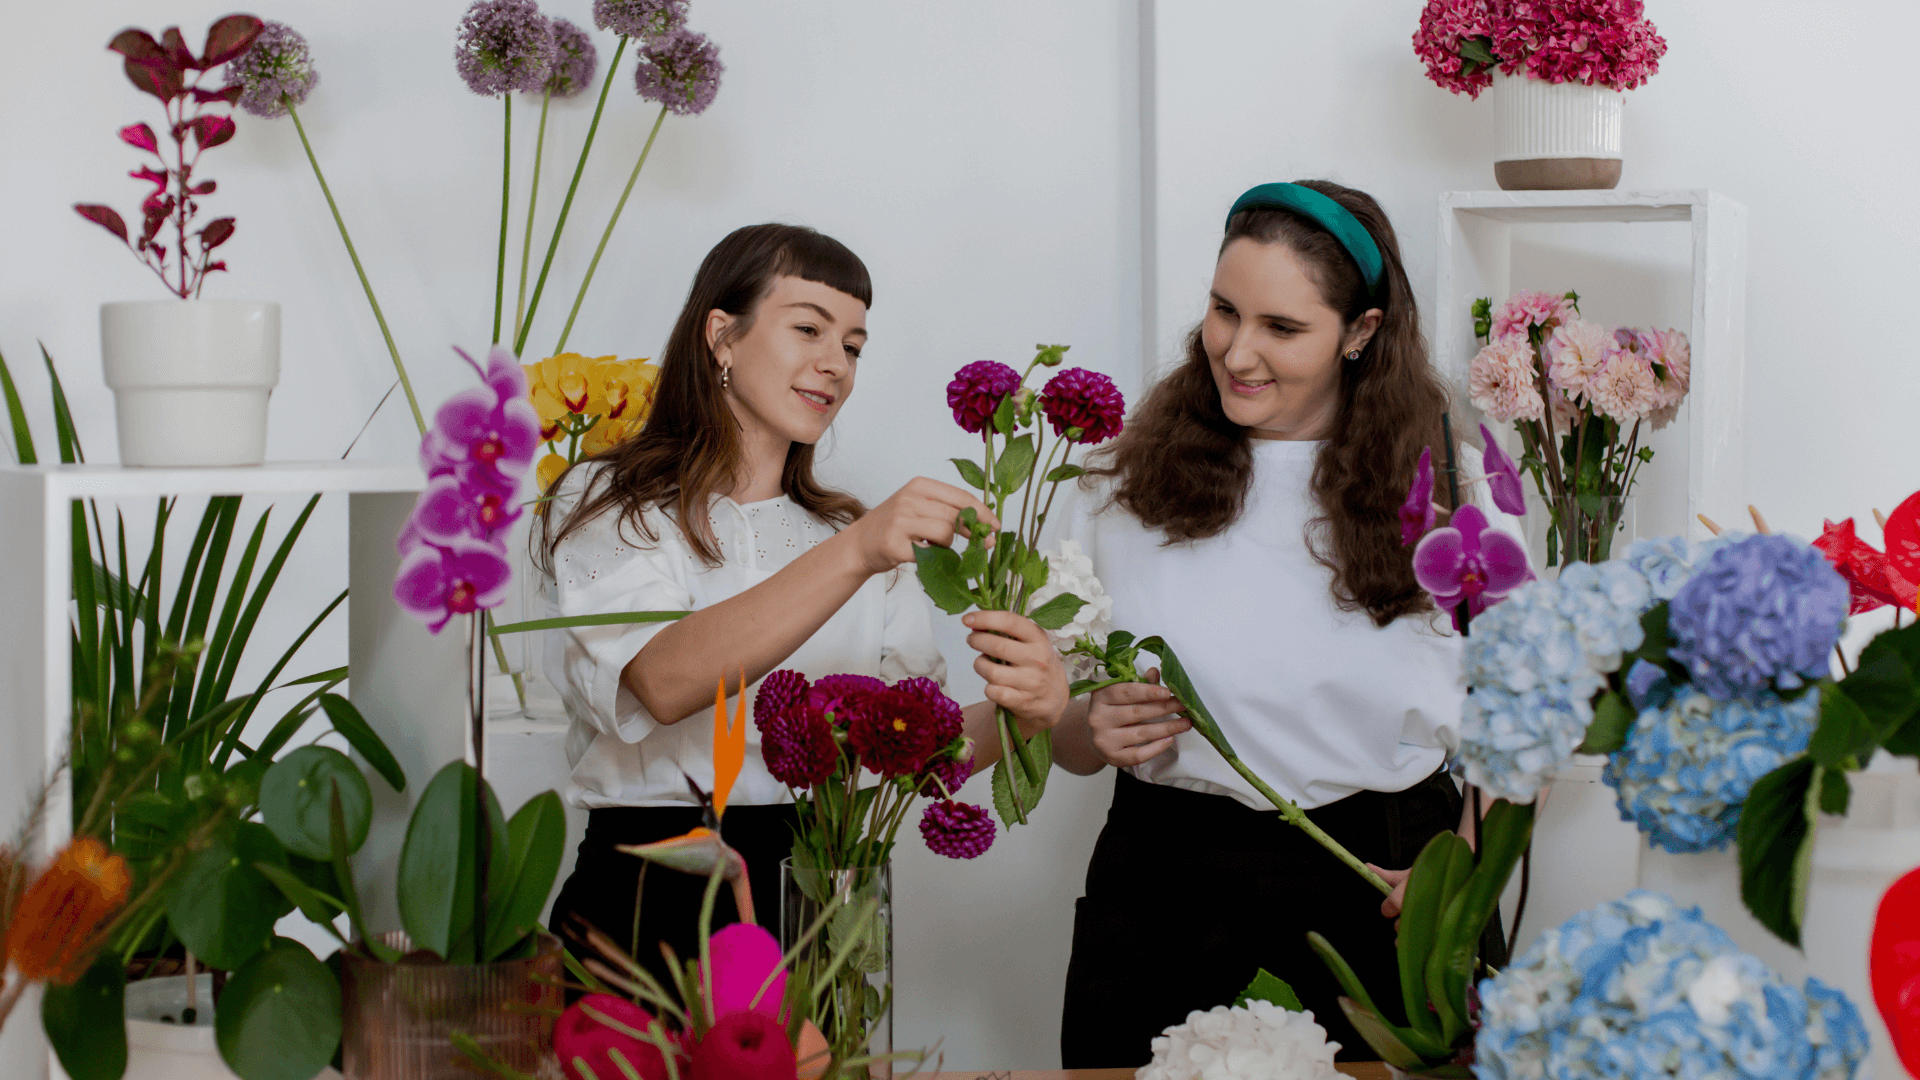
x: 563, y: 386
x: 625, y: 389
x: 548, y: 471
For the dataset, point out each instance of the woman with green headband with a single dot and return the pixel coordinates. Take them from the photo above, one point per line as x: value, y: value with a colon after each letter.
x: 1249, y: 516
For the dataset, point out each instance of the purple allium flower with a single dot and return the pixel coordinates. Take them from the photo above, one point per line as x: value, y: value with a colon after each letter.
x: 955, y: 829
x: 503, y: 46
x: 492, y: 427
x: 680, y: 71
x: 437, y: 582
x: 647, y: 20
x: 1467, y: 561
x: 1416, y: 514
x: 779, y: 691
x: 1088, y: 400
x: 942, y: 776
x: 976, y: 391
x: 1761, y: 612
x: 1503, y: 476
x: 798, y: 745
x: 275, y: 71
x: 575, y: 60
x: 947, y: 716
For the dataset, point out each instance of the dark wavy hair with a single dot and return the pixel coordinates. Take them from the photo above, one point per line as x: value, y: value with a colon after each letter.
x: 690, y: 446
x: 1184, y: 468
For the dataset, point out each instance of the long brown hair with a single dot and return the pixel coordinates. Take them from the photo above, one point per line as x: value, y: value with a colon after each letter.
x: 690, y: 446
x: 1184, y: 468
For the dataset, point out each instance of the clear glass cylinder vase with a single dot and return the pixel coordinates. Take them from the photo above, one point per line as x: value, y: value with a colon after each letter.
x: 398, y: 1020
x: 517, y: 681
x: 1578, y: 528
x: 855, y: 1012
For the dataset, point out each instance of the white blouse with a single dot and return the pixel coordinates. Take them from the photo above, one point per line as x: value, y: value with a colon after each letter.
x: 623, y: 756
x: 1318, y: 702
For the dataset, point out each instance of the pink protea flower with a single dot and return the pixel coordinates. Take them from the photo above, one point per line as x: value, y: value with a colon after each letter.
x: 948, y: 719
x: 778, y: 691
x: 1503, y: 475
x: 1501, y: 380
x: 438, y: 581
x: 955, y: 829
x: 743, y: 1046
x: 1088, y: 400
x: 1416, y: 514
x: 1575, y: 354
x: 1624, y: 388
x: 744, y: 955
x: 1468, y: 562
x: 977, y: 390
x: 1524, y: 310
x: 798, y: 745
x: 1445, y: 25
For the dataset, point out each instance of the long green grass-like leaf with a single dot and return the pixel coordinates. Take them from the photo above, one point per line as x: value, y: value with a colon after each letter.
x: 243, y: 632
x: 203, y: 534
x: 16, y: 412
x: 70, y: 452
x: 253, y: 701
x: 218, y: 642
x: 206, y: 589
x: 291, y: 721
x: 86, y: 659
x: 150, y: 581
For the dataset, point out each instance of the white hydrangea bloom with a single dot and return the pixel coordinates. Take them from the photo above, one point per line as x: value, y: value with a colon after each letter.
x: 1261, y: 1041
x: 1070, y: 570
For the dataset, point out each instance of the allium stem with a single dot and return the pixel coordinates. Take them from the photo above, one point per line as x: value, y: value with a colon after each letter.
x: 608, y: 234
x: 533, y: 305
x: 392, y: 350
x: 506, y: 200
x: 533, y: 199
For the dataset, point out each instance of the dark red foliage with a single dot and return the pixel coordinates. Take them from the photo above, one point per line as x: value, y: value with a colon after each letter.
x: 105, y: 217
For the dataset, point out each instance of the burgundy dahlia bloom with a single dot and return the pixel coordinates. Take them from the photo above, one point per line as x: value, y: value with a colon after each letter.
x: 798, y: 745
x: 1088, y: 400
x: 947, y: 716
x: 838, y: 694
x: 955, y: 829
x: 977, y: 390
x: 648, y: 20
x: 680, y: 71
x: 893, y: 732
x: 779, y: 691
x: 942, y: 777
x: 504, y: 45
x: 574, y: 61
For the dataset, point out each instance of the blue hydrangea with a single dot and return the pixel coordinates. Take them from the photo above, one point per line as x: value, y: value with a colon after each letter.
x: 1758, y: 613
x: 1687, y: 767
x: 1640, y: 988
x: 1666, y: 561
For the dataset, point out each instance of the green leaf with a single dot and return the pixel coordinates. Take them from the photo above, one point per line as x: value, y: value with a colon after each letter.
x: 971, y: 473
x: 939, y: 571
x: 1835, y: 791
x: 973, y: 562
x: 1882, y: 685
x: 1057, y: 612
x: 319, y: 908
x: 279, y: 1018
x: 86, y: 1023
x: 517, y: 891
x: 17, y: 413
x: 1479, y: 50
x: 1266, y: 986
x: 1612, y: 721
x: 1003, y: 415
x: 1379, y: 1035
x: 343, y: 880
x: 1064, y: 472
x: 437, y: 871
x: 1010, y: 473
x: 1013, y: 796
x: 1776, y: 847
x: 364, y: 740
x: 1429, y: 887
x: 1659, y: 636
x: 609, y: 618
x: 1174, y: 677
x: 1843, y: 730
x: 1033, y: 570
x: 220, y: 906
x: 294, y: 797
x: 1503, y: 837
x: 70, y: 452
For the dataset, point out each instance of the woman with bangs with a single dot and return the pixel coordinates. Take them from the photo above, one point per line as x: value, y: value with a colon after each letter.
x: 713, y: 508
x: 1249, y: 515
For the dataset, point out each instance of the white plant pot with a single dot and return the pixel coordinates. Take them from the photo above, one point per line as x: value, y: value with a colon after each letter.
x: 170, y: 1050
x: 1555, y: 136
x: 191, y: 379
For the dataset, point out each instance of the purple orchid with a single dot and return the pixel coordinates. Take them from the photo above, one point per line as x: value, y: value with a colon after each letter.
x: 1416, y: 514
x: 1468, y: 562
x: 494, y: 426
x: 437, y: 582
x: 470, y: 501
x: 1503, y: 476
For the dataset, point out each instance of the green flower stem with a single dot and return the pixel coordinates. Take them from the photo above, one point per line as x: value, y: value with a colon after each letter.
x: 506, y: 201
x: 539, y: 286
x: 533, y: 197
x: 393, y: 351
x: 1298, y: 818
x: 608, y: 235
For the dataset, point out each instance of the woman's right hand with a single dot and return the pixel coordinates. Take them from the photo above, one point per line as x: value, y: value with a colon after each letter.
x: 924, y: 510
x: 1134, y: 722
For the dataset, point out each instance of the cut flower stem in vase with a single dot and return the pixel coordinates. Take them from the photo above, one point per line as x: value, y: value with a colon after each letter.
x: 850, y: 963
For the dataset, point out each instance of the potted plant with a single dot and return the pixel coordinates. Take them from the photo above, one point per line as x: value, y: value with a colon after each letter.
x: 1558, y: 72
x: 190, y: 376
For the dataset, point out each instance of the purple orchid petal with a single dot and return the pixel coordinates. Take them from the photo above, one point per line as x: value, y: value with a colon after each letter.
x: 444, y: 512
x: 743, y: 956
x: 1503, y: 476
x: 1439, y: 560
x: 421, y: 586
x: 1505, y: 560
x: 437, y: 582
x: 504, y: 376
x: 1416, y: 514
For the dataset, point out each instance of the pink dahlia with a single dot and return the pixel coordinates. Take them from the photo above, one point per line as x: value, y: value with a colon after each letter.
x: 1575, y: 354
x: 955, y: 829
x: 977, y: 390
x: 779, y: 691
x: 798, y: 745
x: 1088, y: 400
x: 1501, y: 380
x: 1525, y: 310
x: 947, y: 717
x: 893, y: 732
x: 1446, y: 26
x: 1624, y: 388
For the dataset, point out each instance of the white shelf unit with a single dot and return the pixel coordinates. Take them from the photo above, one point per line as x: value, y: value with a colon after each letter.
x: 1475, y: 259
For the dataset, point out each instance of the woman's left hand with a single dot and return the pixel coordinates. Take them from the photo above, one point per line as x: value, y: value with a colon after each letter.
x: 1023, y: 672
x: 1390, y: 907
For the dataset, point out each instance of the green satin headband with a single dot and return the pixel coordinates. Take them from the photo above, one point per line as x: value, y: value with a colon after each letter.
x: 1323, y: 212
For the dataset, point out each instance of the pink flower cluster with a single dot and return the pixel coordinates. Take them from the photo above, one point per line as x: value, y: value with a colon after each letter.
x: 1627, y: 375
x: 1596, y: 42
x: 453, y: 554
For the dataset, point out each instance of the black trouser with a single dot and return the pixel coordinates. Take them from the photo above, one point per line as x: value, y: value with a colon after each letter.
x: 1189, y: 894
x: 603, y: 884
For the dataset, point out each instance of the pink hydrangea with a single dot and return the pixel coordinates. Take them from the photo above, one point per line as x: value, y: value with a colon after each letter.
x: 1445, y: 25
x: 1501, y: 380
x: 1525, y: 310
x: 1575, y: 353
x: 1624, y: 388
x: 1596, y: 42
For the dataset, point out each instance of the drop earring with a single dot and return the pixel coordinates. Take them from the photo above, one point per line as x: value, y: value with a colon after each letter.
x: 726, y: 376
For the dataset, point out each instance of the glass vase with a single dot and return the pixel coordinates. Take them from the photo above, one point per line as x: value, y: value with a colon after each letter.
x: 516, y: 668
x: 855, y: 1010
x: 1583, y: 528
x: 398, y: 1020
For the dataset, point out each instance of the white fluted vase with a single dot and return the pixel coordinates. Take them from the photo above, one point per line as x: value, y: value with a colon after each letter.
x: 1555, y: 136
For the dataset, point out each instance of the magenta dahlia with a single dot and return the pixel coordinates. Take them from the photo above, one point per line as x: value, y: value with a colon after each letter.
x: 977, y: 390
x: 893, y: 732
x: 1088, y: 400
x: 838, y: 694
x: 778, y: 691
x: 947, y: 717
x: 798, y: 745
x: 955, y: 829
x: 942, y: 777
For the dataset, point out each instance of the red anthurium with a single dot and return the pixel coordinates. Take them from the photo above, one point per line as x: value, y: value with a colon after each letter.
x: 1871, y: 583
x: 1903, y: 545
x: 1894, y: 966
x: 140, y: 135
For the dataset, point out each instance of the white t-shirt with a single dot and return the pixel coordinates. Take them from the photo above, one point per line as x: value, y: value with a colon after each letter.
x: 621, y: 755
x: 1318, y: 702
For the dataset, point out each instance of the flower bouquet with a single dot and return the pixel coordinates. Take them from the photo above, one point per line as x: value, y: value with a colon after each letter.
x: 1005, y: 573
x: 1579, y: 395
x: 1596, y: 42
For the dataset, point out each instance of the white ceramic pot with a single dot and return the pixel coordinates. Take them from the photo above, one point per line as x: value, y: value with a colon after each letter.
x: 169, y: 1049
x: 1553, y: 136
x: 191, y: 378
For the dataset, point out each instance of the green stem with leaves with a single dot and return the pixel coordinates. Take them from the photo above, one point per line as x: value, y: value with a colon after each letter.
x: 581, y: 296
